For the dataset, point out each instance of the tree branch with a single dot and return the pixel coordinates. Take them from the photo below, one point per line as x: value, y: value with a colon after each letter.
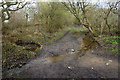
x: 18, y: 7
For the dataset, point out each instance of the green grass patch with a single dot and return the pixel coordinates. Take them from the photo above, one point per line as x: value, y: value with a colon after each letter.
x: 55, y: 36
x: 79, y: 33
x: 113, y: 42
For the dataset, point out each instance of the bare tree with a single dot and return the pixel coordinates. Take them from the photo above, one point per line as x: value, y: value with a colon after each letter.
x: 75, y: 8
x: 8, y: 6
x: 111, y: 6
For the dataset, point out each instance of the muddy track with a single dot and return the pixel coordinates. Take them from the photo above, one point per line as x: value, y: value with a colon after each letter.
x: 57, y: 61
x: 61, y: 46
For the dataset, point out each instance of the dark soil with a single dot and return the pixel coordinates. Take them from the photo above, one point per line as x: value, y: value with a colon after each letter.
x: 32, y: 46
x: 57, y: 61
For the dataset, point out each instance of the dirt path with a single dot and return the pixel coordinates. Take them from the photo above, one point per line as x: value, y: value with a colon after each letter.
x: 58, y: 61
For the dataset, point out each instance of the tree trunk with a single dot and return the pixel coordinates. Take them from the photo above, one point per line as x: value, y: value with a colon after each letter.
x: 118, y: 19
x: 3, y: 17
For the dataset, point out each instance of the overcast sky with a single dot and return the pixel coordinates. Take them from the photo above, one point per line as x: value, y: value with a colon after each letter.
x: 66, y: 0
x: 74, y: 0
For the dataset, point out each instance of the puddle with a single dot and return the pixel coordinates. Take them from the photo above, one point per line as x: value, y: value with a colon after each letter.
x: 55, y: 59
x: 32, y: 46
x: 62, y: 57
x: 88, y: 43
